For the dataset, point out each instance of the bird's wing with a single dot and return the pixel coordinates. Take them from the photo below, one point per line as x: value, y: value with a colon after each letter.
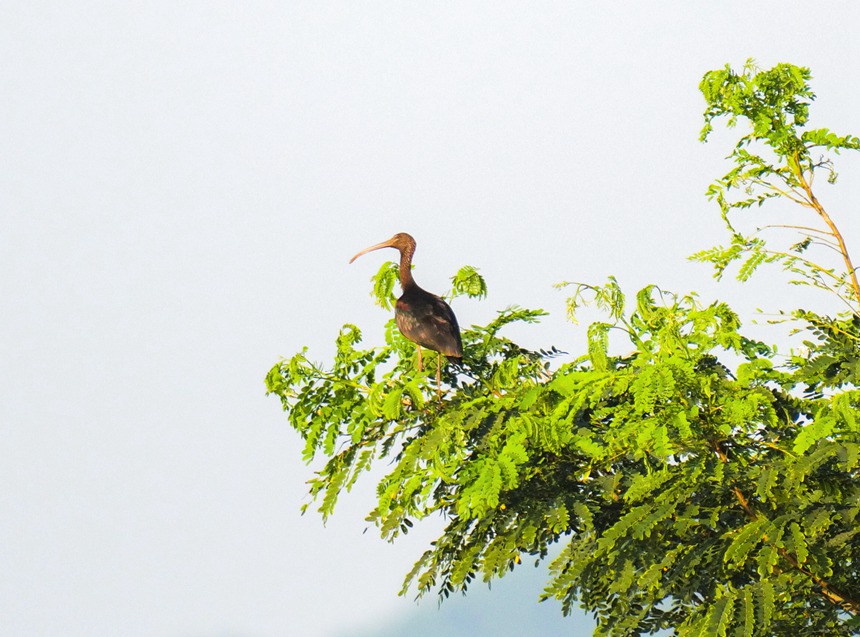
x: 431, y: 324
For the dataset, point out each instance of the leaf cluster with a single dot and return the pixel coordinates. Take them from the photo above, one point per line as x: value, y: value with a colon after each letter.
x: 775, y: 159
x: 686, y: 495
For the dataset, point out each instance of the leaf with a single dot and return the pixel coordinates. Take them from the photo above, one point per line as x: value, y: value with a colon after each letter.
x: 608, y: 298
x: 643, y: 486
x: 383, y: 285
x: 746, y: 614
x: 745, y: 541
x: 468, y: 282
x: 811, y: 433
x: 797, y: 543
x: 764, y: 598
x: 391, y: 406
x: 720, y: 615
x: 766, y: 560
x: 660, y: 439
x: 766, y: 481
x: 682, y: 425
x: 598, y: 344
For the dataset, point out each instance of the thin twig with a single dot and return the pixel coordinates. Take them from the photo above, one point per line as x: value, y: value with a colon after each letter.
x: 791, y: 227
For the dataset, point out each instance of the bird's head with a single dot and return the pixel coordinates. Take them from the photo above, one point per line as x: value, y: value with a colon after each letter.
x: 401, y: 241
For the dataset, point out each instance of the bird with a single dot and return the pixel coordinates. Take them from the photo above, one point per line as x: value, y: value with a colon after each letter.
x: 422, y: 317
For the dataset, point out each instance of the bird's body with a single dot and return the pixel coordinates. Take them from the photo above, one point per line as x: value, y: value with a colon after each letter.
x: 422, y: 317
x: 426, y: 319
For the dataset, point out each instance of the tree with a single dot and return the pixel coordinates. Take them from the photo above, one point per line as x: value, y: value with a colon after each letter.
x: 702, y: 483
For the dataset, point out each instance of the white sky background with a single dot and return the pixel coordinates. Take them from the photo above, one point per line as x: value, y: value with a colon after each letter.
x: 181, y: 186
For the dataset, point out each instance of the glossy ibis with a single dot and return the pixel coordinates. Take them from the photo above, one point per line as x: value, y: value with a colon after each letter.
x: 422, y: 317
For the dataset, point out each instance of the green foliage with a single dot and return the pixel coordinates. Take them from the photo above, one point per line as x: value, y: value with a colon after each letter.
x: 383, y: 285
x: 468, y: 282
x: 699, y: 483
x: 776, y: 159
x: 607, y: 297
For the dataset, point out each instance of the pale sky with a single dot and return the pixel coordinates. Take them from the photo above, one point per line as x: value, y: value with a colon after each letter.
x: 181, y: 187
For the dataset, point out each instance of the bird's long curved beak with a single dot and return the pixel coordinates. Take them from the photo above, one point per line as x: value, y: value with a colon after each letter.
x: 384, y: 244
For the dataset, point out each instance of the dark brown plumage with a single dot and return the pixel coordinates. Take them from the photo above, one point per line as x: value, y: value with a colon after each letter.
x: 422, y: 317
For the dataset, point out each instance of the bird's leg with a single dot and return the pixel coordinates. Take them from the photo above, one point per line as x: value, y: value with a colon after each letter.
x: 439, y: 376
x: 420, y: 363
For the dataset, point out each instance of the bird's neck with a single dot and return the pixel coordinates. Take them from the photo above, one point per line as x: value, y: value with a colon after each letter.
x: 406, y: 280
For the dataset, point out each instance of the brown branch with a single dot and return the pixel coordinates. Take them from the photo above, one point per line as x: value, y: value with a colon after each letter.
x: 816, y: 205
x: 826, y: 589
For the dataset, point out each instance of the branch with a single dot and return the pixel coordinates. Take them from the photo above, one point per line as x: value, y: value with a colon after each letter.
x: 816, y: 205
x: 791, y: 227
x: 790, y: 194
x: 827, y: 591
